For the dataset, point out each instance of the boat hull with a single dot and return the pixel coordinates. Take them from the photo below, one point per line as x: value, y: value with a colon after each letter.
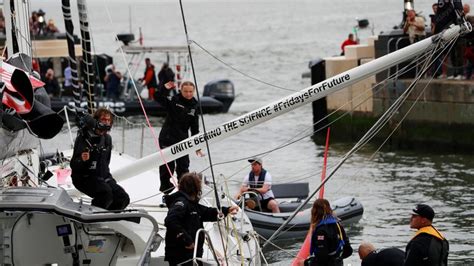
x: 348, y: 209
x: 132, y: 107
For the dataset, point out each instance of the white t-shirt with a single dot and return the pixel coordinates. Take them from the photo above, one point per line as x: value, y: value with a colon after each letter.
x: 268, y: 180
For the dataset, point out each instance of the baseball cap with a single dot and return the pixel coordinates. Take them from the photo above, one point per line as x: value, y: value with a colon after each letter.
x: 425, y: 211
x: 256, y: 159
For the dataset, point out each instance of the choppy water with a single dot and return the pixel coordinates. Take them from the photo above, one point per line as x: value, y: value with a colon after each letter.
x: 274, y: 40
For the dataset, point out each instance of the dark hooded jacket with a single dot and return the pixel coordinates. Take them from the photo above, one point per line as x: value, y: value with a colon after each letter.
x: 100, y: 148
x: 185, y: 218
x: 182, y: 116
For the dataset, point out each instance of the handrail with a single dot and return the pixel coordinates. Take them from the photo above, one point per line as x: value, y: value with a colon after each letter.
x: 196, y: 244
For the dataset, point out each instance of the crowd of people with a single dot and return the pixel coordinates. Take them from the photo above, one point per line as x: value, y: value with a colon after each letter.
x: 40, y: 26
x: 459, y: 63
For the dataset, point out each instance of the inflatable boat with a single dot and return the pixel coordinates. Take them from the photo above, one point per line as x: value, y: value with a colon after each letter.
x: 289, y: 197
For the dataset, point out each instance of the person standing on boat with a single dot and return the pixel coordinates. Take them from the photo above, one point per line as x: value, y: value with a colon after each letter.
x: 149, y: 78
x: 386, y: 256
x: 90, y: 162
x: 260, y: 180
x: 329, y: 242
x: 349, y: 41
x: 165, y: 75
x: 112, y: 82
x: 185, y: 217
x: 428, y: 246
x: 51, y: 83
x: 182, y: 116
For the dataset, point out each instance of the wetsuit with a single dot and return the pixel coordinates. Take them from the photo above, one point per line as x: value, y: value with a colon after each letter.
x: 386, y: 257
x: 329, y: 244
x: 181, y: 117
x: 185, y: 218
x: 427, y: 248
x: 92, y: 177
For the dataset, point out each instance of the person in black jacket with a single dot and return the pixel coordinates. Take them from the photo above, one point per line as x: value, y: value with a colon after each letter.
x: 185, y: 217
x: 386, y: 256
x: 182, y: 116
x: 90, y: 163
x: 165, y: 75
x: 329, y: 243
x: 428, y: 247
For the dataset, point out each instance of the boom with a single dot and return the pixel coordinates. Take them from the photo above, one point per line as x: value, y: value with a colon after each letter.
x: 284, y: 105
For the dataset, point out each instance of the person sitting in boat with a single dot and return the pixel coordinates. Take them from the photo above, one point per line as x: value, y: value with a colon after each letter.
x: 182, y: 117
x: 149, y: 78
x: 428, y: 246
x: 185, y: 217
x: 386, y: 256
x: 329, y: 242
x: 260, y: 180
x: 90, y: 162
x: 165, y: 75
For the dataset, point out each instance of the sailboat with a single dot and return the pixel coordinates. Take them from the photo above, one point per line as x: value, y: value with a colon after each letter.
x: 47, y: 221
x: 78, y: 233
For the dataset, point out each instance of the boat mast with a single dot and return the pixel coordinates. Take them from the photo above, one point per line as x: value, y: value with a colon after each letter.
x: 285, y: 105
x: 66, y: 6
x: 87, y: 64
x: 17, y: 26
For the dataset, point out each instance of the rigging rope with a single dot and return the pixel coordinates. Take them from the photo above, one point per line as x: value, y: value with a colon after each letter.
x: 239, y: 71
x: 218, y: 205
x: 150, y: 127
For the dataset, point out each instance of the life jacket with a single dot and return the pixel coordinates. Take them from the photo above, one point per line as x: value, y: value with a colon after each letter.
x: 261, y: 179
x: 437, y: 239
x: 340, y: 243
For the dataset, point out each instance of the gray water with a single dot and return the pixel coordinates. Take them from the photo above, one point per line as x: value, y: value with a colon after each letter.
x: 273, y: 41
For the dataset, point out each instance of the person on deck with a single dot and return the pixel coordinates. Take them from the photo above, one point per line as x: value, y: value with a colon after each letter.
x: 185, y: 217
x: 414, y: 26
x: 182, y: 116
x: 260, y: 180
x: 51, y: 83
x: 349, y: 41
x: 165, y: 75
x: 149, y: 78
x: 90, y: 163
x: 428, y: 246
x: 386, y: 256
x: 112, y: 82
x: 329, y: 242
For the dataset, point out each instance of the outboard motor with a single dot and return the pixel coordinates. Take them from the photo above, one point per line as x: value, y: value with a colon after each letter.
x: 222, y: 90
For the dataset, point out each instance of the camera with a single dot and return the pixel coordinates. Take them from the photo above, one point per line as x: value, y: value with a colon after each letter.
x: 85, y: 121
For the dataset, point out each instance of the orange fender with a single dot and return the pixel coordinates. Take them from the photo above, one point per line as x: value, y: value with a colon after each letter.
x: 304, y: 251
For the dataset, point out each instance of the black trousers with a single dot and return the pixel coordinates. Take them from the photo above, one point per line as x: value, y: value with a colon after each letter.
x: 181, y: 165
x: 105, y: 194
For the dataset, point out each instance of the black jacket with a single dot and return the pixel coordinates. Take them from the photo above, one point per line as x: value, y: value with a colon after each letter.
x: 100, y: 150
x: 427, y: 248
x: 185, y: 218
x: 386, y: 257
x: 182, y: 116
x: 329, y: 243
